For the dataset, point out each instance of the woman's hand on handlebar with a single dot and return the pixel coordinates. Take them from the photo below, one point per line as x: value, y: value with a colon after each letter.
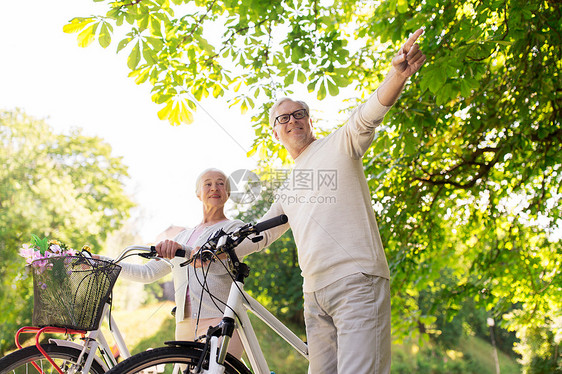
x: 167, y: 248
x: 197, y: 263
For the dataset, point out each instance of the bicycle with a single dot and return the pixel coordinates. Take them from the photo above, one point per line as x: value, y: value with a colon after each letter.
x: 211, y: 355
x: 90, y: 286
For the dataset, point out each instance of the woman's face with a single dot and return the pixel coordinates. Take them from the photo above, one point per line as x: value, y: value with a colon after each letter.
x: 212, y: 189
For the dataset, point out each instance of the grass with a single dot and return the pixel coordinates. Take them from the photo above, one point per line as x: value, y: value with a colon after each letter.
x: 152, y: 325
x: 146, y: 327
x: 482, y: 351
x: 281, y: 357
x: 473, y: 355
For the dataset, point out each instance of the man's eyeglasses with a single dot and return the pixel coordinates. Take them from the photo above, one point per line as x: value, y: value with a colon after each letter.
x: 297, y: 114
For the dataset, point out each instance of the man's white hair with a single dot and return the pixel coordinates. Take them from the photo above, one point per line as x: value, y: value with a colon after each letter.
x: 273, y: 110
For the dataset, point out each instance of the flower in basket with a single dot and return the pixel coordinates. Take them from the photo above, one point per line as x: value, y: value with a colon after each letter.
x: 40, y: 249
x: 51, y: 263
x: 69, y: 289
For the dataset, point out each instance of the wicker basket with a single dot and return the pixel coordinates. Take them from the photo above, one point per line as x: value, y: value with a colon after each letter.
x: 71, y: 292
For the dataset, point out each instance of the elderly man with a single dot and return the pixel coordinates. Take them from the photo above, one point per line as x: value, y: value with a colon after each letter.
x: 328, y: 202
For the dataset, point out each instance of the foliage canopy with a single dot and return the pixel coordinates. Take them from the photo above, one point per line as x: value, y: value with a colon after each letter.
x: 466, y: 173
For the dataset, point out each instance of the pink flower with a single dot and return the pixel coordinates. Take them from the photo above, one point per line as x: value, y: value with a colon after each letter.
x: 27, y: 252
x: 70, y: 252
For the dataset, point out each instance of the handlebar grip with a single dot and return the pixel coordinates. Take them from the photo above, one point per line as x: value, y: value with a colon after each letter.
x: 180, y: 253
x: 270, y: 223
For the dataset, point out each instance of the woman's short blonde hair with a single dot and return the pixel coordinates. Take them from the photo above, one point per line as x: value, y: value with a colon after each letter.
x: 198, y: 180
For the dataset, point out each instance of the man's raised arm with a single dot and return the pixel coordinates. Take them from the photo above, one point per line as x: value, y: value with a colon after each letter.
x: 407, y: 61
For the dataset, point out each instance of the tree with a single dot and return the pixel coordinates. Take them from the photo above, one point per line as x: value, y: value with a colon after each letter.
x: 465, y: 173
x: 65, y: 187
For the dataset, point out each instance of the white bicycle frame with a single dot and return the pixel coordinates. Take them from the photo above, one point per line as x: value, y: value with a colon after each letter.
x: 238, y: 305
x: 95, y: 340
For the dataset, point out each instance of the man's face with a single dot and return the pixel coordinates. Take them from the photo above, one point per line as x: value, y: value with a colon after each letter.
x: 295, y: 134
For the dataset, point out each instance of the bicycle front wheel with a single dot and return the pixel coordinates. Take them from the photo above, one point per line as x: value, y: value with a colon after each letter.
x: 168, y: 360
x: 21, y: 361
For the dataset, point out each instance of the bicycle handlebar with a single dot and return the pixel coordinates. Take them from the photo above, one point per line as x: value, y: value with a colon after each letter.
x: 270, y: 223
x: 219, y: 243
x: 223, y: 242
x: 144, y: 251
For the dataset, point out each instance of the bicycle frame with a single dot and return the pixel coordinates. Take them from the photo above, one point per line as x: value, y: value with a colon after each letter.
x: 239, y: 303
x: 93, y: 341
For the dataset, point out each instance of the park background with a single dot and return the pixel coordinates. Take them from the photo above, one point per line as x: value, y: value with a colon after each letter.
x: 465, y: 171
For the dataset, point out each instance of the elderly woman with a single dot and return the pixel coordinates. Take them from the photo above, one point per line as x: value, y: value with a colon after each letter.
x: 212, y: 188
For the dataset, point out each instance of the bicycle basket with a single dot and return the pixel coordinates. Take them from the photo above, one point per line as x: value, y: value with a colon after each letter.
x: 71, y: 292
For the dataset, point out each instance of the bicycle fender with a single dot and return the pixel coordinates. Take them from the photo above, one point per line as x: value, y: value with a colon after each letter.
x: 182, y: 343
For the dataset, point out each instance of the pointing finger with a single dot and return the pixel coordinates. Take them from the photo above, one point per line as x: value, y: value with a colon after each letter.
x: 412, y: 39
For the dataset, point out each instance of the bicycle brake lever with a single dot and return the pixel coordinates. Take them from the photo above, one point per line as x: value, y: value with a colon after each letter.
x: 187, y: 262
x: 257, y: 239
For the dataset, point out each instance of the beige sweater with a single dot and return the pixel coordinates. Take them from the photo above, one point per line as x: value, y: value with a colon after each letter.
x: 328, y: 202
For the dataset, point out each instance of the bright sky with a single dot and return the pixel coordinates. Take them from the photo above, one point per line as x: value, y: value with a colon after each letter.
x: 44, y: 72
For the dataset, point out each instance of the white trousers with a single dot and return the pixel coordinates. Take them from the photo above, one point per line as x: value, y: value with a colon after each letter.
x: 348, y: 326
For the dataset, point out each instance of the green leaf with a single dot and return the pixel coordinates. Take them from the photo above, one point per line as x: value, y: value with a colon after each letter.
x: 191, y: 104
x: 143, y: 22
x: 436, y: 80
x: 42, y: 244
x: 134, y: 57
x: 402, y: 6
x: 311, y: 86
x: 164, y: 113
x: 301, y: 77
x: 87, y: 36
x: 341, y: 80
x: 382, y: 142
x: 156, y: 43
x: 160, y: 98
x: 185, y: 114
x: 321, y: 91
x: 175, y: 115
x: 465, y: 88
x: 105, y: 35
x: 410, y: 143
x: 148, y: 54
x: 198, y: 93
x: 155, y: 27
x: 332, y: 88
x: 76, y: 24
x: 142, y: 75
x: 289, y: 78
x: 123, y: 43
x: 217, y: 91
x: 243, y: 107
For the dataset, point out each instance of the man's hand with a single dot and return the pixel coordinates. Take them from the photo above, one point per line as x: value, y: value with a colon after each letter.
x: 408, y: 61
x: 167, y: 248
x: 409, y: 58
